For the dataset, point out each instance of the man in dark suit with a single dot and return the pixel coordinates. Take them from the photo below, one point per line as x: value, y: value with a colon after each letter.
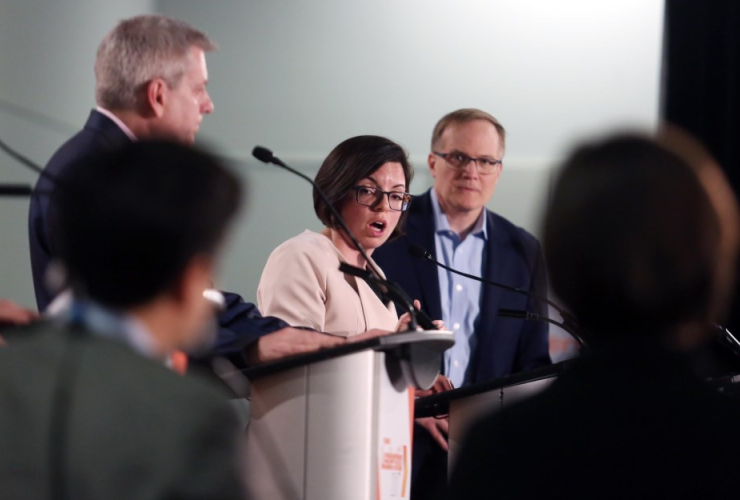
x: 150, y: 83
x: 451, y: 222
x: 642, y: 247
x: 87, y: 406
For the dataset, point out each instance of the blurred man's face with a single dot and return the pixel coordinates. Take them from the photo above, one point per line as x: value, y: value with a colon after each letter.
x: 194, y: 328
x: 185, y: 105
x: 465, y: 189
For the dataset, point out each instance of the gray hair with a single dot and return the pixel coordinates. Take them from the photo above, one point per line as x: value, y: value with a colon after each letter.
x: 139, y: 50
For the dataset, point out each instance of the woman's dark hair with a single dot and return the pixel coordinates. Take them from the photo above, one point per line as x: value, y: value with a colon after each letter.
x: 350, y: 162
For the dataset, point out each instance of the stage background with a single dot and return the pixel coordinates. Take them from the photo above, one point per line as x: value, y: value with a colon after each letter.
x: 299, y: 77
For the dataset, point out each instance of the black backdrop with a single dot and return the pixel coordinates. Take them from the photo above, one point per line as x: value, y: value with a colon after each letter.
x: 702, y: 84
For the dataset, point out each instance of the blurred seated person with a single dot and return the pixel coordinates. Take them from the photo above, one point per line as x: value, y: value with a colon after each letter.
x: 89, y: 409
x: 641, y: 243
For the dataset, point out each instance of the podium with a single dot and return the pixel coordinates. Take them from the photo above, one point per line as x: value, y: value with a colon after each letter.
x: 467, y: 404
x: 337, y: 423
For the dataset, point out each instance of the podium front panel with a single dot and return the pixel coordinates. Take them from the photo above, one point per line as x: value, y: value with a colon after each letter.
x: 335, y: 429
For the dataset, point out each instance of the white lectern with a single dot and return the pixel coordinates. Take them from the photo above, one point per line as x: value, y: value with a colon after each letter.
x: 336, y: 424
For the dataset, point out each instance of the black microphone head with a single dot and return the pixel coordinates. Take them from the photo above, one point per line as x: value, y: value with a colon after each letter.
x: 263, y: 154
x: 418, y: 251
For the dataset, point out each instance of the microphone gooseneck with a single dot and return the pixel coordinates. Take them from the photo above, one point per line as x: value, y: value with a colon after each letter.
x: 23, y: 189
x: 265, y: 155
x: 527, y: 315
x: 569, y: 324
x: 419, y: 252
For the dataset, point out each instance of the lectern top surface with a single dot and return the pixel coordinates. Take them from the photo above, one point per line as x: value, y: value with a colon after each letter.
x: 434, y: 340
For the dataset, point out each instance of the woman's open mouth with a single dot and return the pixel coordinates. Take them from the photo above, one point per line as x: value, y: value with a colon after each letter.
x: 379, y: 226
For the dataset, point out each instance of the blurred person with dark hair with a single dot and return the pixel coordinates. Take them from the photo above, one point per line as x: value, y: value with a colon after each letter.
x: 366, y: 178
x: 640, y: 241
x: 451, y: 222
x: 151, y: 83
x: 89, y: 409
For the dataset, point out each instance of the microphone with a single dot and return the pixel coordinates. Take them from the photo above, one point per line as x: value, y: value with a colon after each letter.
x: 265, y: 155
x: 394, y: 292
x: 15, y: 190
x: 527, y: 315
x: 569, y: 324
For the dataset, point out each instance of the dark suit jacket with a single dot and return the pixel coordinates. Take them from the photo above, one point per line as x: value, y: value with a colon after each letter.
x: 240, y: 325
x: 629, y: 423
x: 513, y: 257
x: 89, y: 418
x: 99, y: 135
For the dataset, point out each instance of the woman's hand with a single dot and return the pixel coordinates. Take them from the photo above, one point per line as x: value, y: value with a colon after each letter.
x: 441, y: 384
x: 404, y: 323
x: 437, y: 427
x: 405, y: 320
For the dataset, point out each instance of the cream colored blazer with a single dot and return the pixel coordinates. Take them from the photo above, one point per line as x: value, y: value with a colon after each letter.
x: 302, y: 285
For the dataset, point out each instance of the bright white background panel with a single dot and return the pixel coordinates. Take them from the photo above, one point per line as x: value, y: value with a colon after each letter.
x: 300, y: 77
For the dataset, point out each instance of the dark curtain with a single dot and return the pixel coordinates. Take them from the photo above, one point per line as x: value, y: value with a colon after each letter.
x: 702, y: 84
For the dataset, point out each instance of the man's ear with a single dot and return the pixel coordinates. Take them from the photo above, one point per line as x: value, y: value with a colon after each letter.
x: 432, y: 162
x: 156, y: 96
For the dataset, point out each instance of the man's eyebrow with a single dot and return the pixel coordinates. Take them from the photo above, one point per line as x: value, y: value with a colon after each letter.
x: 458, y: 152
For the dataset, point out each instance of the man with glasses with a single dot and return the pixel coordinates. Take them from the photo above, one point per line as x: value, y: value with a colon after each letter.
x: 452, y: 223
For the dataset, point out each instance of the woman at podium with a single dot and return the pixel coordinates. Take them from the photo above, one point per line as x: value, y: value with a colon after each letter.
x: 366, y: 178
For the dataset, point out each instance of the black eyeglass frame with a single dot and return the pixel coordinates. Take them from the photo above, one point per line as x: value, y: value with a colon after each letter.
x: 405, y: 204
x: 465, y: 160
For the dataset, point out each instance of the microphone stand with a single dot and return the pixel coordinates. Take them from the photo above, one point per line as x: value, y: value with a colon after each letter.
x: 569, y: 324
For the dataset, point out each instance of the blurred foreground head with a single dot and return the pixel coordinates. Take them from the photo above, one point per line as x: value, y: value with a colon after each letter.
x: 143, y: 224
x: 641, y: 238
